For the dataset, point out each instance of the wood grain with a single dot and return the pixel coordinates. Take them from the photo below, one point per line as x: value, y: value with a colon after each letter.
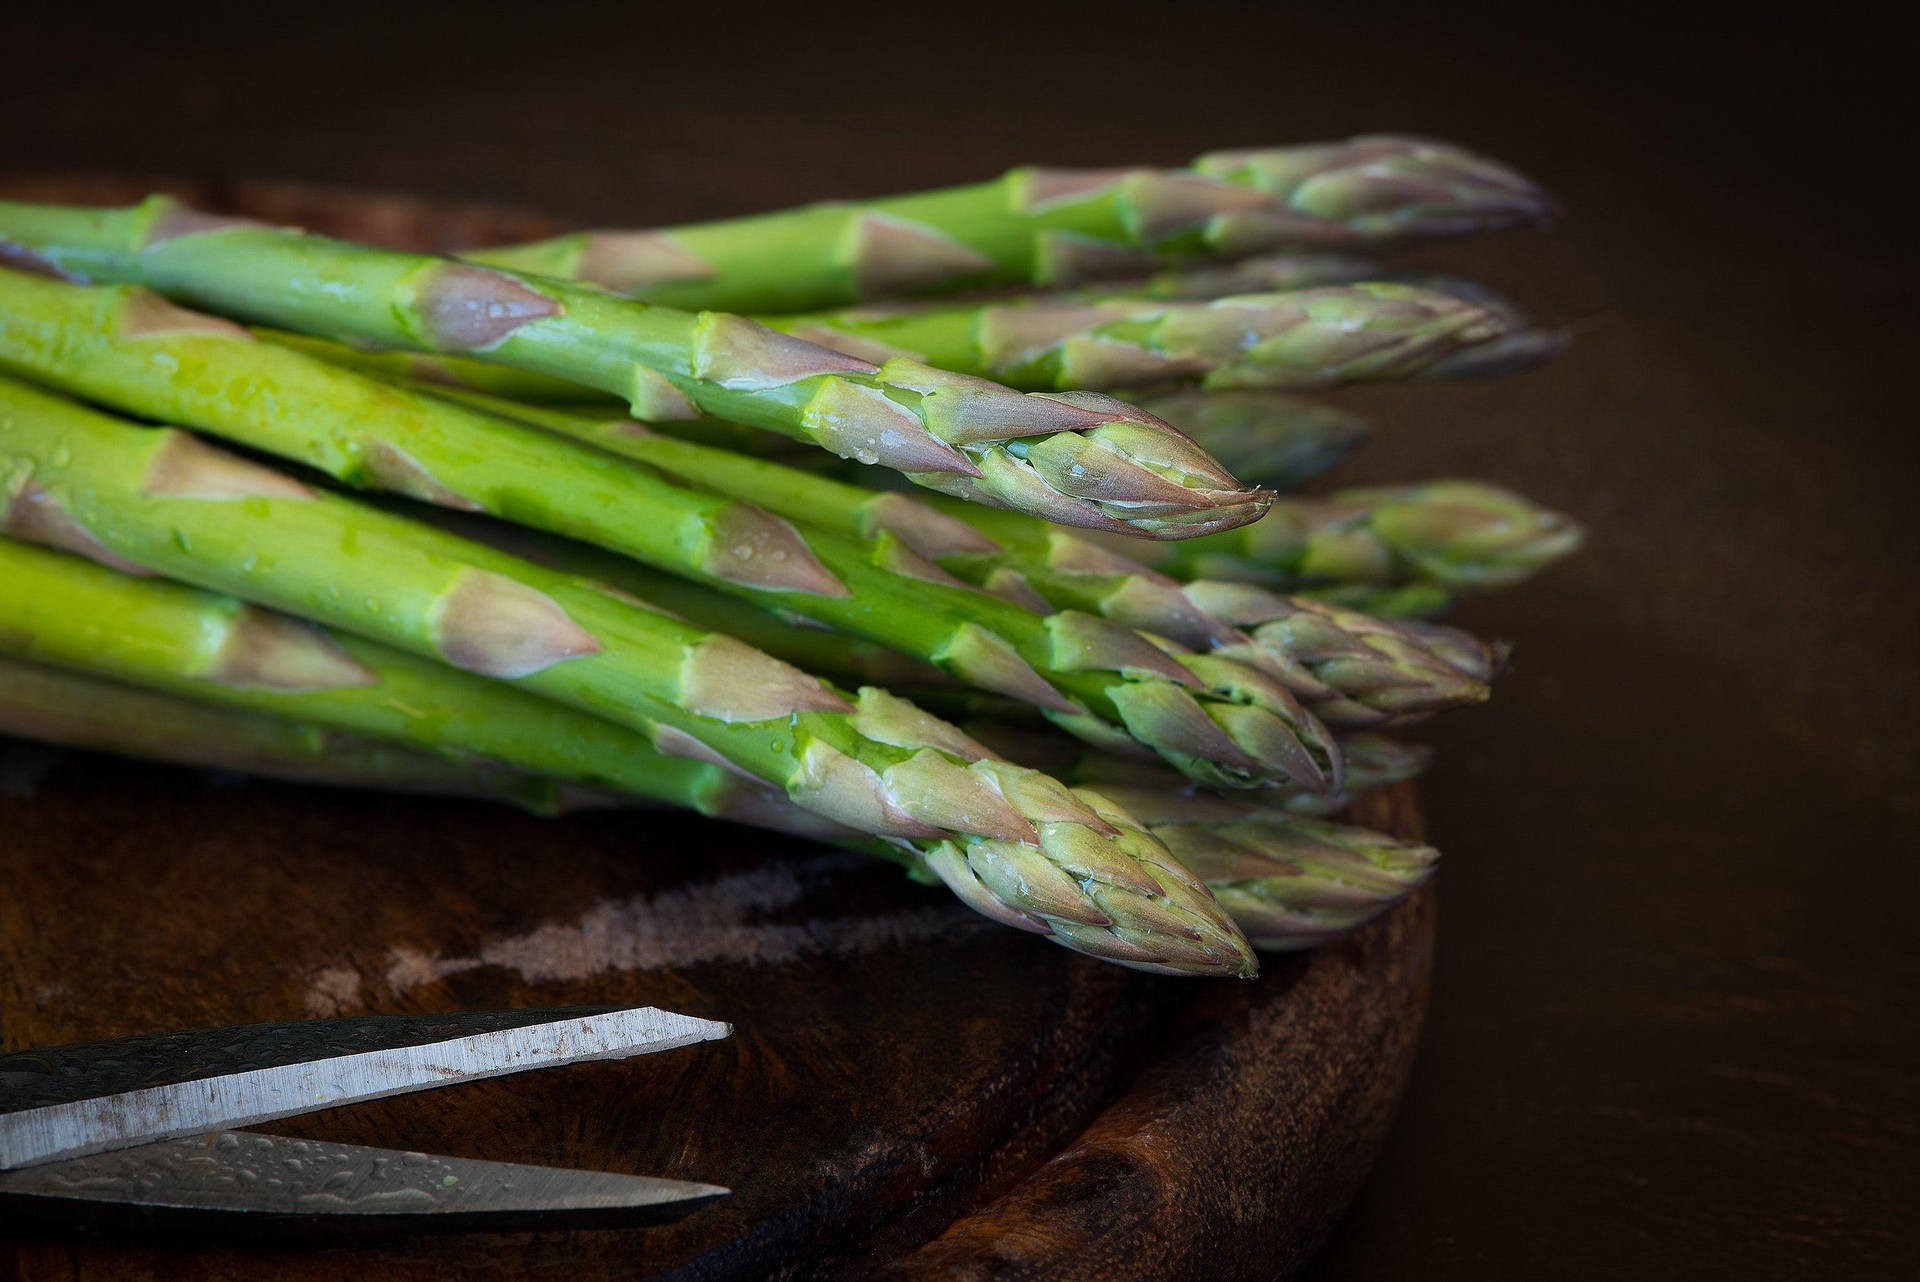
x: 911, y: 1091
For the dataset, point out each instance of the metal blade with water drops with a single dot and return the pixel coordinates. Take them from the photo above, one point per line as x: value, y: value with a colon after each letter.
x: 245, y: 1182
x: 70, y: 1101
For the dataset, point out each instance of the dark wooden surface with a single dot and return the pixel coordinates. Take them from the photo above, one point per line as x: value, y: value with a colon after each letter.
x: 898, y: 1063
x: 1673, y: 1022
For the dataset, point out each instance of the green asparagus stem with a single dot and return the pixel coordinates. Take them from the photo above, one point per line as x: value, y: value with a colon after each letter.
x: 1263, y: 437
x: 787, y: 636
x: 1410, y: 602
x: 1048, y: 228
x: 1520, y: 345
x: 1350, y: 669
x: 461, y: 372
x: 1374, y: 761
x: 1288, y: 881
x: 1270, y: 439
x: 1355, y: 670
x: 127, y: 348
x: 1300, y: 338
x: 1261, y: 274
x: 76, y: 710
x: 1077, y: 456
x: 1438, y: 538
x: 1048, y: 862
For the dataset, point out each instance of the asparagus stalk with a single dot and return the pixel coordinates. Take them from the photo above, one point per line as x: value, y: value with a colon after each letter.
x: 1048, y: 228
x: 786, y: 636
x: 77, y: 711
x: 1051, y: 862
x: 1350, y: 670
x: 1204, y: 281
x: 161, y: 500
x: 1292, y: 882
x: 1374, y: 761
x: 1520, y: 344
x: 1262, y: 864
x: 1439, y: 538
x: 1353, y: 669
x: 1073, y: 456
x: 1210, y: 717
x: 1298, y: 338
x: 1270, y: 439
x: 1407, y: 603
x: 458, y: 372
x: 1261, y: 274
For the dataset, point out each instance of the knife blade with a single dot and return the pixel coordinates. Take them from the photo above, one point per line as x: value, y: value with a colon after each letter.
x: 66, y: 1102
x: 241, y: 1181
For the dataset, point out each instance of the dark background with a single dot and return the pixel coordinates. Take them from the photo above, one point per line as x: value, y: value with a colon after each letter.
x: 1673, y: 1028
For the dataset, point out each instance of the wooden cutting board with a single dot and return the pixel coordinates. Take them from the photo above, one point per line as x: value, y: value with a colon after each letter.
x: 911, y: 1091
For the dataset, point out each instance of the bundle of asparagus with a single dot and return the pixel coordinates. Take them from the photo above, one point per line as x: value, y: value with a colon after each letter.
x: 613, y: 556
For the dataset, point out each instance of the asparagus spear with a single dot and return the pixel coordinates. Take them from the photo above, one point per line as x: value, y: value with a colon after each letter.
x: 1520, y: 345
x: 1357, y: 670
x: 1275, y: 440
x: 1262, y: 864
x: 1011, y: 842
x: 1352, y: 669
x: 1348, y: 669
x: 1268, y: 438
x: 77, y: 711
x: 1374, y: 761
x: 1261, y: 274
x: 1048, y: 228
x: 143, y: 496
x: 1438, y: 538
x: 103, y: 342
x: 1075, y: 456
x: 1297, y: 338
x: 1290, y: 882
x: 460, y: 372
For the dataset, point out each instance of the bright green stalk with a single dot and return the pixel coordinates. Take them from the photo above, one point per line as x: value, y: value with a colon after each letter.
x: 461, y: 372
x: 1441, y: 537
x: 1096, y: 886
x: 1074, y: 458
x: 823, y: 502
x: 1520, y: 345
x: 833, y: 655
x: 1048, y: 228
x: 164, y: 636
x: 1350, y: 669
x: 1298, y: 338
x: 56, y: 706
x: 1355, y: 670
x: 1267, y: 438
x: 75, y: 710
x: 129, y: 349
x: 781, y: 633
